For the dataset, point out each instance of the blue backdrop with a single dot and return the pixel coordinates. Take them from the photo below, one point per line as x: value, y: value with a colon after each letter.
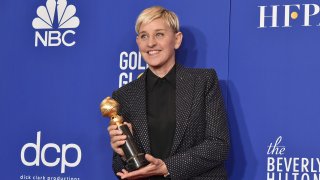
x: 59, y: 59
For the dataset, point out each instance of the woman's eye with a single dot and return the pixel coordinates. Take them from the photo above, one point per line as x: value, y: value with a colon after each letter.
x: 143, y: 36
x: 159, y: 34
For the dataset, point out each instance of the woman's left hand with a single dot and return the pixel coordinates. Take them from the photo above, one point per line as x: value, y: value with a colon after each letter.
x: 156, y: 168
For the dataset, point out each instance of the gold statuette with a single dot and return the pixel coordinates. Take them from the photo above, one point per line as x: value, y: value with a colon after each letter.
x: 134, y: 158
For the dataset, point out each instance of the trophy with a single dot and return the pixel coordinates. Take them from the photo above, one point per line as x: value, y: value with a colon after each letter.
x: 134, y: 159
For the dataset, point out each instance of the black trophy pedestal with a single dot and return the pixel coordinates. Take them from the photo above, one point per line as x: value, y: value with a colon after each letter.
x: 135, y: 160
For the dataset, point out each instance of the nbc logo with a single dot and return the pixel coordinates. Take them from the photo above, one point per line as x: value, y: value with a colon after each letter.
x: 55, y: 15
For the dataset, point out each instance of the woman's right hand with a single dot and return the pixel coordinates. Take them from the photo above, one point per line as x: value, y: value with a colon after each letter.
x: 117, y: 138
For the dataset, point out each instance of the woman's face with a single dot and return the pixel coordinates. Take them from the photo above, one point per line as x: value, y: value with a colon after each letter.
x: 157, y: 43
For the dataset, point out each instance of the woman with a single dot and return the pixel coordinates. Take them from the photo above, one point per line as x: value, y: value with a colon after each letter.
x: 176, y: 113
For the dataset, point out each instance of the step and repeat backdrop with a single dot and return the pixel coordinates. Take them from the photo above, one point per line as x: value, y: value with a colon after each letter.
x: 60, y: 58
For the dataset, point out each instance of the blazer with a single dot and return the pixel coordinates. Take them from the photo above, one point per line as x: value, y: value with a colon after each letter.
x: 201, y: 140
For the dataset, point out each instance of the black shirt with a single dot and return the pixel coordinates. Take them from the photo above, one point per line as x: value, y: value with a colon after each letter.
x: 161, y: 112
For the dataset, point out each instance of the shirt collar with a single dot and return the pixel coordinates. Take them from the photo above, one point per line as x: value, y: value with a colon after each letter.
x: 152, y: 79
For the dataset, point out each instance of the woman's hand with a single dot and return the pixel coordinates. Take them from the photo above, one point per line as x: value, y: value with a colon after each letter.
x: 156, y: 168
x: 117, y: 138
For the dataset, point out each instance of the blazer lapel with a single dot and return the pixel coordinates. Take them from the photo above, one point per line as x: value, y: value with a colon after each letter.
x: 184, y: 96
x: 139, y: 107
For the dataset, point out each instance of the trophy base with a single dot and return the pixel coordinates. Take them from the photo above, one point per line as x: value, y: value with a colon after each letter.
x: 136, y: 162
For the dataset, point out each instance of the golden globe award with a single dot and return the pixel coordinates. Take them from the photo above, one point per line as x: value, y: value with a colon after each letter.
x: 134, y: 159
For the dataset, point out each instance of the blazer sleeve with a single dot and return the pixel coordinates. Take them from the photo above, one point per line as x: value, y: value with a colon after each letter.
x: 117, y: 163
x: 213, y: 151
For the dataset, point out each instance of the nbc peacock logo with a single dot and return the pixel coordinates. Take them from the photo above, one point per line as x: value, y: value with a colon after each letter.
x: 55, y: 23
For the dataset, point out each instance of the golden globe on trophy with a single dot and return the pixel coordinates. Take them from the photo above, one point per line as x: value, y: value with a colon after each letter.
x: 134, y: 159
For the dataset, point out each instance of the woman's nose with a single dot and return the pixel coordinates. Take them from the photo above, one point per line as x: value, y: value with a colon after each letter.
x: 152, y: 41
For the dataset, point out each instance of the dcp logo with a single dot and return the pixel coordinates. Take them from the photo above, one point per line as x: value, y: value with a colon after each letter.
x: 55, y: 15
x: 41, y: 154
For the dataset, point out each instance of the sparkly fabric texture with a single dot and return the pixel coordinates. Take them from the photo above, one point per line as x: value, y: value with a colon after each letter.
x: 201, y: 139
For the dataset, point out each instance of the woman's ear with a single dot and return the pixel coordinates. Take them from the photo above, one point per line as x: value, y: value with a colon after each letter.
x: 178, y: 40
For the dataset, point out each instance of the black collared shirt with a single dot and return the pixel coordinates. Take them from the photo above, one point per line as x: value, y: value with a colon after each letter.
x: 161, y: 112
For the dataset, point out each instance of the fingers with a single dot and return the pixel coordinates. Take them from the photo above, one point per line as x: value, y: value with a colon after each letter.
x: 113, y: 130
x: 116, y: 139
x: 156, y: 167
x: 134, y: 174
x: 152, y: 160
x: 117, y: 144
x: 112, y: 127
x: 147, y: 171
x: 122, y: 174
x: 119, y: 151
x: 124, y: 171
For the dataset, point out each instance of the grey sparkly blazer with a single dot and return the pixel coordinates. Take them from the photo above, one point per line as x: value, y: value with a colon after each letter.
x: 201, y: 139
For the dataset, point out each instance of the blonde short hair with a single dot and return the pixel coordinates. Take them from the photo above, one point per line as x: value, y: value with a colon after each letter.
x: 155, y: 12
